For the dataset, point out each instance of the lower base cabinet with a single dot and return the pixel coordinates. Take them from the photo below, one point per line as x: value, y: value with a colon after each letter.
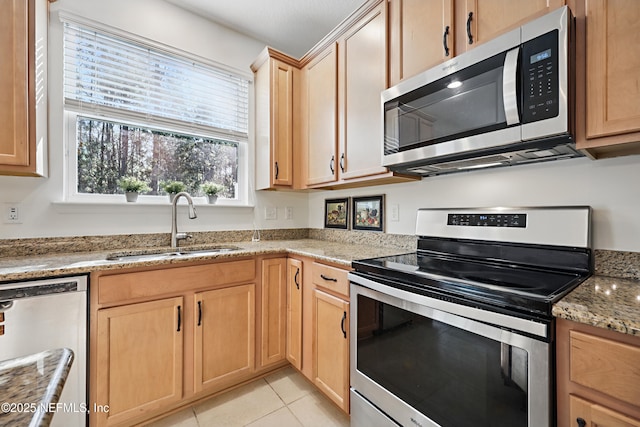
x: 224, y: 338
x: 598, y: 376
x: 165, y: 337
x: 141, y: 347
x: 331, y: 347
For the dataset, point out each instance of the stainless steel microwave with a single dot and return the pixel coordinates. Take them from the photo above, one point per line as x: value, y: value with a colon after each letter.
x: 505, y: 102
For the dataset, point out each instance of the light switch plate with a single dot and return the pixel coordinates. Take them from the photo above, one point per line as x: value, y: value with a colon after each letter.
x: 288, y: 212
x: 394, y: 213
x: 270, y: 213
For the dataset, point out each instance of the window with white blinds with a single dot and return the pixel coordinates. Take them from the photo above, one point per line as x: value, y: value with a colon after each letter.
x: 105, y: 72
x: 135, y: 109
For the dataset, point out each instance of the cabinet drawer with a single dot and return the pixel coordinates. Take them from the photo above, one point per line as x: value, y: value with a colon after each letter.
x: 122, y: 287
x: 331, y: 278
x: 606, y: 366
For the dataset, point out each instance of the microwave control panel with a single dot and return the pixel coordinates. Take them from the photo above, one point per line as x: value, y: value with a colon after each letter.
x: 540, y: 88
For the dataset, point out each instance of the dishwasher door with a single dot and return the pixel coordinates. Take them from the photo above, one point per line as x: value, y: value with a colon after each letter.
x: 46, y: 314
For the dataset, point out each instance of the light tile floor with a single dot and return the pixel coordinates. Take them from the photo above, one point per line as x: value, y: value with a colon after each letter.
x: 282, y: 399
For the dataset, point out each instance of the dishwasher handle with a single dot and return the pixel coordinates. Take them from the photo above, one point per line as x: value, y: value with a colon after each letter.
x: 5, y: 305
x: 16, y: 291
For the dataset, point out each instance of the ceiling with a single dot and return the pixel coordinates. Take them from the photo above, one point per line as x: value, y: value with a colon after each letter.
x: 291, y: 26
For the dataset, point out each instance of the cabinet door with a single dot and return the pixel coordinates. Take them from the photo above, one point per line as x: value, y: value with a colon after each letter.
x: 331, y: 347
x: 478, y: 21
x: 294, y: 312
x: 14, y: 84
x: 322, y: 117
x: 613, y: 67
x: 274, y: 305
x: 282, y: 122
x: 417, y: 36
x: 362, y: 76
x: 139, y: 358
x: 586, y: 414
x: 224, y: 338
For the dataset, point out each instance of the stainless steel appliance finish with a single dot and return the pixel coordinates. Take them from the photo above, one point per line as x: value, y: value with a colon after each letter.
x: 460, y: 332
x: 507, y: 101
x: 46, y: 314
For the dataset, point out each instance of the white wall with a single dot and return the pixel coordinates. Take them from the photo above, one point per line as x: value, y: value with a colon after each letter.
x: 611, y: 187
x: 39, y: 199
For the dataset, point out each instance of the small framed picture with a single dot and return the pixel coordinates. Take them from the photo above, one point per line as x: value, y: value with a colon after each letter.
x: 368, y: 213
x: 336, y: 213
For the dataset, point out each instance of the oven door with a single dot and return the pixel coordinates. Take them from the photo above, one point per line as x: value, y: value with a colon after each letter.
x: 419, y: 364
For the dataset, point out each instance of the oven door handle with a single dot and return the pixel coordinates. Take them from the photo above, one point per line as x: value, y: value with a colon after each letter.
x: 510, y: 87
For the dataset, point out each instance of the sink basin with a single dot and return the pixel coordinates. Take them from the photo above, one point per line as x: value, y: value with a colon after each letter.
x: 180, y: 253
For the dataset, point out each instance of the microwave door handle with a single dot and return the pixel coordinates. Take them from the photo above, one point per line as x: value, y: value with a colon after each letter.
x: 509, y: 87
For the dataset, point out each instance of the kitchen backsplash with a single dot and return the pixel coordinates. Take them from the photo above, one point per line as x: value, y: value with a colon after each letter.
x: 607, y: 263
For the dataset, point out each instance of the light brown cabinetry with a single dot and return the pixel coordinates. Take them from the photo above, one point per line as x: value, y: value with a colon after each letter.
x: 598, y: 376
x: 608, y: 77
x: 322, y: 116
x: 425, y: 33
x: 294, y: 312
x: 275, y: 76
x: 274, y: 315
x: 331, y: 347
x: 224, y: 339
x: 141, y: 347
x: 161, y: 338
x: 23, y: 35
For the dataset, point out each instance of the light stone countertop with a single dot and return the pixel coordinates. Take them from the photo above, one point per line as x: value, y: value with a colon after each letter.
x: 66, y: 264
x: 606, y: 302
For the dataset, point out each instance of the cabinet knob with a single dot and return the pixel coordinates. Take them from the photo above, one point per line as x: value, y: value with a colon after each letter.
x: 469, y: 35
x: 444, y: 41
x: 581, y: 422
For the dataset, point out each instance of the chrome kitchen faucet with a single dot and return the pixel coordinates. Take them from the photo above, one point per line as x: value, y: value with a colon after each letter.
x: 175, y: 236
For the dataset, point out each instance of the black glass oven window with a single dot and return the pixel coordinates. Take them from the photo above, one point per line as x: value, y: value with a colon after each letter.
x: 467, y: 102
x: 452, y: 376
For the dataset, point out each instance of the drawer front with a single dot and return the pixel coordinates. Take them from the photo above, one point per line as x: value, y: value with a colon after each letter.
x: 122, y: 287
x: 331, y: 278
x: 606, y: 366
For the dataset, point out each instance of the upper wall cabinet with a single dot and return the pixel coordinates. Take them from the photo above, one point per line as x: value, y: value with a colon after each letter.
x: 343, y: 108
x: 425, y: 33
x: 275, y: 77
x: 23, y: 110
x: 608, y: 77
x: 321, y: 117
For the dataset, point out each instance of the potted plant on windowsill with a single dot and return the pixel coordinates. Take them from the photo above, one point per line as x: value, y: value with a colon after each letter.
x: 211, y: 189
x: 173, y: 188
x: 132, y: 186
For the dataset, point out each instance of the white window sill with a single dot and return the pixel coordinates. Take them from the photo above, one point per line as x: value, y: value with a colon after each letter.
x: 115, y: 205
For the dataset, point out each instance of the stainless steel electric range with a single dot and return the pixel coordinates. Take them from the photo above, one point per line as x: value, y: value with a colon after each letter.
x: 460, y: 331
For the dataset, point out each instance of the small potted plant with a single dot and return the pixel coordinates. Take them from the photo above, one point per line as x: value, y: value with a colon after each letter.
x: 132, y: 186
x: 211, y: 189
x: 173, y: 188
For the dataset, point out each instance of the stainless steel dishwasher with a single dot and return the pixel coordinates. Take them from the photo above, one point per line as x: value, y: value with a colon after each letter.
x: 46, y: 314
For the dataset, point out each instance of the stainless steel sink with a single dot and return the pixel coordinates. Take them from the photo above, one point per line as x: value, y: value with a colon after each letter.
x: 180, y: 253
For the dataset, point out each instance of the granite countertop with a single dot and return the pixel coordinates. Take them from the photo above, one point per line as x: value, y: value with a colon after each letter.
x: 64, y: 264
x: 31, y: 386
x: 606, y: 302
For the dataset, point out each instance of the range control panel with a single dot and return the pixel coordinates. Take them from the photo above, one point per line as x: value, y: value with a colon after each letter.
x: 488, y: 220
x: 540, y: 93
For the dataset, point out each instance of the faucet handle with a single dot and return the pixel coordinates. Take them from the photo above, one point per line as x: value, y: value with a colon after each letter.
x: 183, y: 236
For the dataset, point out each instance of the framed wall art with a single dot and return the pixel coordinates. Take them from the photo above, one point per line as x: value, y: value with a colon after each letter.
x: 336, y: 213
x: 368, y: 213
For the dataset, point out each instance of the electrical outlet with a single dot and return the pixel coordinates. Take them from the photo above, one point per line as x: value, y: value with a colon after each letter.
x: 394, y: 213
x: 270, y: 213
x: 12, y: 215
x: 288, y: 212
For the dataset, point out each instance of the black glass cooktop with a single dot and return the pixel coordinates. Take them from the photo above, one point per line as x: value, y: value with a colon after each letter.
x: 495, y: 282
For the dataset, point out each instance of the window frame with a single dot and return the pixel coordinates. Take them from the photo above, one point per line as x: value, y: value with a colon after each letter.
x: 70, y: 112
